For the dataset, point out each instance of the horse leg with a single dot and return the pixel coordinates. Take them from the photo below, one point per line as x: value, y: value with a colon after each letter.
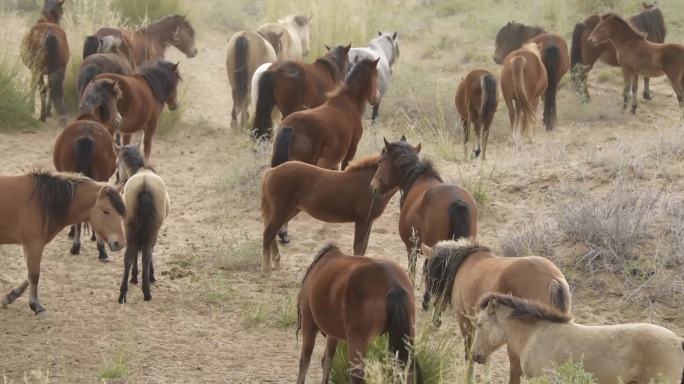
x: 152, y: 278
x: 270, y: 231
x: 361, y: 234
x: 134, y: 268
x: 101, y: 252
x: 309, y: 332
x: 326, y: 363
x: 515, y: 368
x: 647, y: 89
x: 374, y: 116
x: 43, y: 90
x: 13, y: 294
x: 478, y: 137
x: 147, y: 139
x: 282, y: 232
x: 234, y: 112
x: 466, y: 136
x: 485, y: 137
x: 76, y: 246
x: 627, y: 80
x: 635, y: 92
x: 56, y: 86
x: 129, y: 256
x: 356, y: 352
x: 72, y: 231
x: 34, y: 253
x: 146, y: 261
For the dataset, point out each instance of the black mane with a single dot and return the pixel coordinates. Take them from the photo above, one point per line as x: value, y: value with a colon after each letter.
x: 440, y: 271
x: 54, y: 194
x: 409, y: 167
x: 162, y: 78
x: 336, y: 62
x: 133, y: 159
x: 652, y: 22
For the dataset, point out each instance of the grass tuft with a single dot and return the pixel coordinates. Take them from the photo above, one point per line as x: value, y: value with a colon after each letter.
x: 139, y: 12
x: 16, y: 108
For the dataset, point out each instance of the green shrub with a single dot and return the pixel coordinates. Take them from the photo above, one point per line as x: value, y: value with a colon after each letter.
x: 16, y: 105
x: 568, y: 373
x: 138, y: 12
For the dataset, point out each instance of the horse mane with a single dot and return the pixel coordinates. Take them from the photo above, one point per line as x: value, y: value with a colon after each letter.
x: 652, y: 22
x: 176, y: 19
x: 524, y: 309
x: 367, y: 162
x: 323, y: 251
x: 410, y: 168
x: 133, y: 160
x: 54, y: 192
x: 161, y: 78
x: 532, y: 47
x: 626, y: 23
x: 349, y: 80
x: 441, y: 270
x: 329, y: 61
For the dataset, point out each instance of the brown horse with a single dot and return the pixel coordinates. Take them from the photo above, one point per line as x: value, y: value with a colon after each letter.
x: 35, y: 207
x: 86, y: 146
x: 45, y: 51
x: 109, y: 59
x: 330, y: 196
x: 329, y: 134
x: 640, y: 57
x: 584, y: 55
x: 431, y: 210
x: 292, y: 86
x: 523, y: 82
x: 554, y: 55
x: 295, y: 34
x: 144, y: 95
x: 459, y: 273
x: 477, y: 98
x: 150, y: 43
x: 355, y: 299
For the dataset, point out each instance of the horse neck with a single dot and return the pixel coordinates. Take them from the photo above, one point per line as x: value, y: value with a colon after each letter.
x: 519, y: 333
x: 414, y: 178
x: 47, y: 19
x: 83, y: 201
x: 158, y: 35
x: 351, y: 97
x: 623, y: 35
x: 330, y: 67
x: 384, y: 49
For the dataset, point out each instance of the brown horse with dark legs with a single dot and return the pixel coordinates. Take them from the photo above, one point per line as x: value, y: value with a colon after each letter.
x: 86, y: 146
x: 292, y: 86
x: 330, y: 196
x: 144, y: 95
x: 477, y: 98
x: 45, y: 51
x: 584, y: 55
x: 35, y: 207
x: 355, y: 299
x: 640, y: 57
x: 431, y: 210
x: 554, y: 55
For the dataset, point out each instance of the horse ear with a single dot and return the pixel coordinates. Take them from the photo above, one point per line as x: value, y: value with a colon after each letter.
x: 347, y: 47
x: 379, y: 33
x: 491, y: 306
x: 403, y: 138
x: 375, y: 62
x: 327, y: 47
x: 388, y: 145
x: 428, y: 251
x: 418, y: 148
x: 175, y: 66
x: 394, y: 36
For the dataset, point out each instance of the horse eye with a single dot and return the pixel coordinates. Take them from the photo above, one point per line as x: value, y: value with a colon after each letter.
x: 106, y: 212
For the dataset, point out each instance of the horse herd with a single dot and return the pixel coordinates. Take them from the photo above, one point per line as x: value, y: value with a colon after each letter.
x: 524, y: 303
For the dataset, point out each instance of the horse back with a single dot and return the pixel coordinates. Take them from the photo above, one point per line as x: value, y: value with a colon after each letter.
x: 132, y: 46
x: 65, y: 154
x: 152, y: 183
x: 435, y: 206
x: 137, y: 105
x: 33, y: 50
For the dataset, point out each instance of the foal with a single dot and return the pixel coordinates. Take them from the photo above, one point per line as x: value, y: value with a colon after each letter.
x: 477, y: 98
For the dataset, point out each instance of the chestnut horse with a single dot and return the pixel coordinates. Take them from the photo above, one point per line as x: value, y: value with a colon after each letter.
x: 330, y: 196
x: 109, y: 59
x: 640, y: 57
x: 554, y: 55
x: 355, y: 299
x: 584, y: 55
x: 292, y: 86
x: 45, y: 51
x: 523, y: 82
x: 459, y: 273
x: 86, y: 146
x: 35, y: 207
x: 477, y: 98
x: 144, y: 95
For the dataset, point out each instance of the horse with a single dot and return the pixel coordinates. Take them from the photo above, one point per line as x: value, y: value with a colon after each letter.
x: 476, y: 100
x: 459, y: 273
x: 430, y: 210
x: 292, y: 86
x: 639, y: 57
x: 584, y: 55
x: 544, y: 338
x: 330, y: 196
x: 554, y: 55
x: 355, y: 299
x: 35, y: 207
x: 295, y: 35
x: 145, y: 93
x: 45, y: 51
x: 386, y: 48
x: 148, y: 206
x: 246, y: 51
x: 150, y: 43
x: 86, y: 146
x: 108, y: 59
x: 523, y: 81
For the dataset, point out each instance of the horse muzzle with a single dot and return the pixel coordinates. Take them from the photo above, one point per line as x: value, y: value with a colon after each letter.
x: 192, y: 53
x: 115, y: 245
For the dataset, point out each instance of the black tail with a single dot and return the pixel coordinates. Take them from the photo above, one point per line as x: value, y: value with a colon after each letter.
x: 142, y: 228
x: 398, y: 328
x: 85, y: 149
x: 489, y: 98
x: 264, y: 105
x: 576, y: 48
x: 85, y: 75
x: 551, y: 58
x: 560, y: 295
x: 241, y: 70
x: 459, y: 220
x: 281, y: 146
x: 91, y: 46
x: 52, y: 52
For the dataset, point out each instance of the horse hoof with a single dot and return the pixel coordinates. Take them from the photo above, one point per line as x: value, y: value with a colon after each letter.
x: 266, y: 272
x: 122, y: 299
x: 647, y: 96
x: 38, y: 309
x: 153, y: 279
x: 634, y: 108
x: 75, y: 249
x: 425, y: 305
x: 284, y: 238
x: 72, y: 232
x: 134, y: 281
x: 103, y: 259
x: 148, y: 297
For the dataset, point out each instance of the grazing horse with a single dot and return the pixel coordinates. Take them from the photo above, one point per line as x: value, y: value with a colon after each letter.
x: 292, y: 86
x: 109, y: 59
x: 330, y: 196
x: 150, y: 43
x: 477, y: 98
x: 459, y: 273
x: 355, y: 299
x: 554, y: 55
x: 144, y: 95
x: 386, y: 48
x: 329, y: 134
x: 523, y: 82
x: 148, y: 205
x: 639, y: 57
x: 45, y: 51
x: 545, y: 338
x: 295, y: 34
x: 584, y: 55
x: 86, y: 146
x: 35, y: 207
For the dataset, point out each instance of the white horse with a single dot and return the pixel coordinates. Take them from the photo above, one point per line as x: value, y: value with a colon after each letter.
x: 295, y: 31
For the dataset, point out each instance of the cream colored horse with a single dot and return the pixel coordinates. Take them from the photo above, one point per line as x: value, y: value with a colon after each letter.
x: 296, y: 32
x: 544, y: 338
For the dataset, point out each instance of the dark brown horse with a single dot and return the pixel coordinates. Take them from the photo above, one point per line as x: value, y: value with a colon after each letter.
x: 109, y: 59
x: 292, y: 86
x: 554, y: 55
x: 144, y: 95
x: 329, y: 134
x: 330, y: 196
x: 584, y: 55
x: 355, y: 299
x: 86, y: 145
x: 477, y: 98
x: 45, y: 51
x: 431, y: 210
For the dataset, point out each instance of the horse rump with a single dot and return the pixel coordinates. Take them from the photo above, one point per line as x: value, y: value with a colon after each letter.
x: 141, y: 229
x: 459, y: 220
x: 264, y: 105
x: 52, y: 62
x: 398, y: 327
x: 489, y: 98
x: 551, y: 59
x: 91, y: 46
x: 523, y: 104
x: 241, y: 69
x: 85, y: 149
x: 282, y: 145
x: 85, y: 75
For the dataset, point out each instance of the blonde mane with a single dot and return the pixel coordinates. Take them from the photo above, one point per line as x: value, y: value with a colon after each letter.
x: 532, y: 47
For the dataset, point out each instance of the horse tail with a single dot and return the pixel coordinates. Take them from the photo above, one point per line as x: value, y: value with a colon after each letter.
x: 144, y: 219
x: 489, y: 98
x: 281, y: 146
x: 264, y: 105
x: 52, y: 52
x: 241, y: 69
x: 523, y: 105
x: 459, y: 220
x: 85, y: 76
x: 91, y: 46
x: 560, y: 294
x: 551, y: 57
x: 398, y: 327
x: 85, y: 149
x: 576, y: 47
